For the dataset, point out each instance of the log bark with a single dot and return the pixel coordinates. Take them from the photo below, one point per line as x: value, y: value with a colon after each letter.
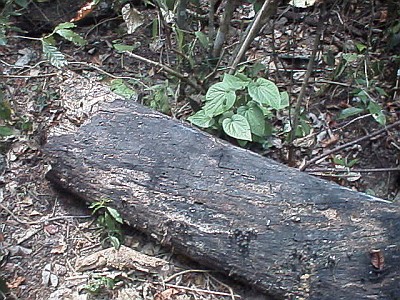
x: 285, y: 232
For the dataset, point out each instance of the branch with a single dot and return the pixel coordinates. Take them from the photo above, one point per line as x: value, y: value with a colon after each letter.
x: 310, y: 67
x: 262, y: 16
x: 223, y: 30
x: 368, y: 136
x: 211, y: 23
x: 346, y: 170
x: 168, y: 70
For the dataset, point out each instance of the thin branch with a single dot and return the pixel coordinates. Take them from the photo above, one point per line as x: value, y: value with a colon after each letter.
x: 168, y: 70
x: 198, y: 290
x: 223, y: 30
x: 344, y: 146
x: 39, y: 221
x: 29, y: 76
x: 211, y: 23
x: 186, y: 272
x: 105, y: 72
x: 251, y: 34
x: 334, y: 170
x: 297, y: 107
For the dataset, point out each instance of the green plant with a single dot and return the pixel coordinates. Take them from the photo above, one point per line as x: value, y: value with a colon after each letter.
x: 99, y: 284
x: 49, y: 48
x: 344, y: 161
x: 5, y: 117
x: 241, y: 108
x: 120, y: 87
x: 159, y: 97
x: 110, y: 221
x: 10, y: 8
x: 366, y: 91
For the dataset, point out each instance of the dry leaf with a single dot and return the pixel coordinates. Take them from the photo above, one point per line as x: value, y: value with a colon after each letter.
x: 165, y: 295
x: 377, y: 259
x: 16, y: 282
x: 132, y: 17
x: 383, y: 16
x: 51, y: 229
x: 60, y: 249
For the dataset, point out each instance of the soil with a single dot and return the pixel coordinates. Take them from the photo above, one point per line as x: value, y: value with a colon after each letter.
x: 43, y: 232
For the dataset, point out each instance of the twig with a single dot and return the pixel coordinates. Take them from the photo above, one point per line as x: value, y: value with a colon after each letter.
x: 334, y: 170
x: 217, y: 66
x: 185, y: 272
x: 224, y: 285
x: 202, y: 271
x: 332, y: 82
x: 296, y: 113
x: 168, y: 70
x: 368, y: 136
x: 39, y: 221
x: 251, y: 34
x: 29, y: 76
x: 26, y: 37
x: 100, y: 23
x: 211, y: 24
x: 223, y: 30
x: 105, y: 72
x: 198, y: 290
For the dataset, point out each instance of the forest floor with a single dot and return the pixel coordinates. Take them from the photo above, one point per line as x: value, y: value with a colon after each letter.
x: 43, y: 232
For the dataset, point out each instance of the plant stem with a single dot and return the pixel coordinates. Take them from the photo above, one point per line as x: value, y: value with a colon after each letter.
x: 297, y: 107
x: 368, y: 136
x: 223, y: 30
x: 168, y: 70
x: 211, y: 25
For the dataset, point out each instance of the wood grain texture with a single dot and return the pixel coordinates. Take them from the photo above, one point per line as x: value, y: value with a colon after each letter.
x: 289, y: 234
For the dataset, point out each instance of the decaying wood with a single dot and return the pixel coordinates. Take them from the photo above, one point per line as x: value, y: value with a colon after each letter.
x: 289, y: 234
x: 124, y: 258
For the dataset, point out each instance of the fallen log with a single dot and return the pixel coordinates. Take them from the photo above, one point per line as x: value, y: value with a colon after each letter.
x: 287, y: 233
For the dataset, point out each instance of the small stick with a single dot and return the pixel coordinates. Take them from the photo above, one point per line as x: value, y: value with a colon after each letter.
x: 105, y: 72
x: 199, y: 290
x: 297, y: 106
x: 168, y: 70
x: 29, y: 76
x: 368, y: 136
x: 333, y: 170
x: 250, y: 35
x: 185, y: 272
x: 39, y: 221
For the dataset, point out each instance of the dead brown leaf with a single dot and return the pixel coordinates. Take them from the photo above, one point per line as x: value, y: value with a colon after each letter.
x: 167, y: 294
x: 16, y: 282
x: 51, y: 229
x: 331, y: 141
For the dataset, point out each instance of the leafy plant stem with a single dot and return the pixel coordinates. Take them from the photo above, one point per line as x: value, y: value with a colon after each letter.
x: 297, y: 107
x: 261, y: 17
x: 168, y: 70
x: 344, y: 146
